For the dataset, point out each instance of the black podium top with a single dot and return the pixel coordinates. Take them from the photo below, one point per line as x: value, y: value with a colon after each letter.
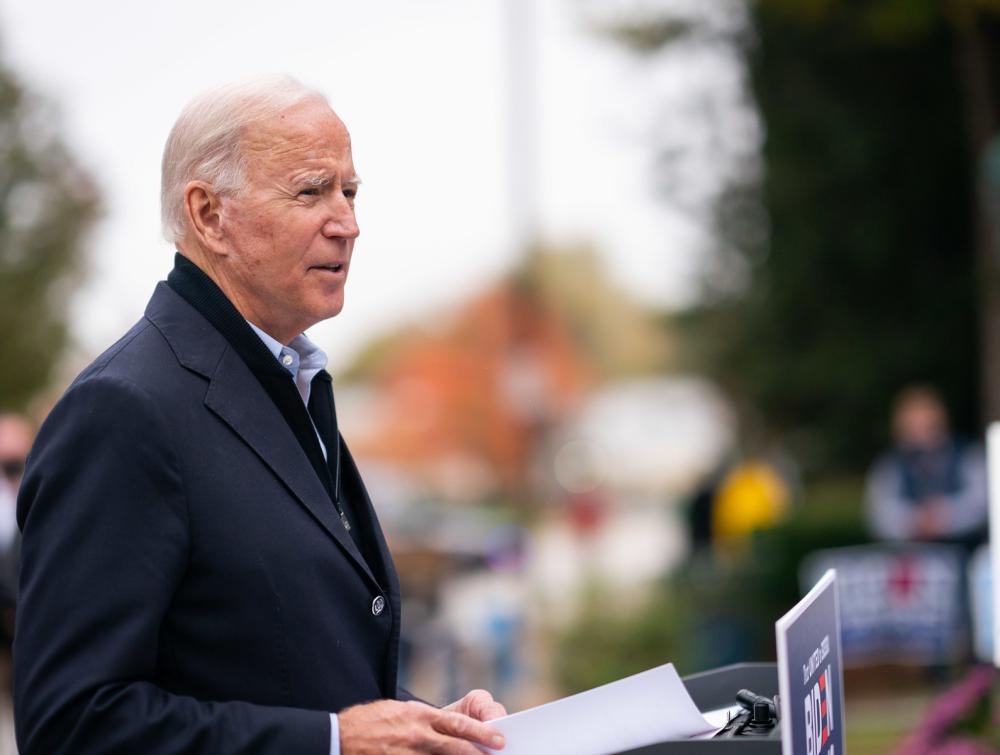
x: 716, y: 689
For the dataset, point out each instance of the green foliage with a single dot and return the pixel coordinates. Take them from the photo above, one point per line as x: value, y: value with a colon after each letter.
x: 734, y: 597
x: 865, y: 277
x: 868, y: 278
x: 605, y: 644
x: 719, y: 608
x: 619, y: 337
x: 616, y: 335
x: 851, y: 243
x: 884, y: 21
x: 829, y: 516
x: 46, y: 204
x: 649, y: 36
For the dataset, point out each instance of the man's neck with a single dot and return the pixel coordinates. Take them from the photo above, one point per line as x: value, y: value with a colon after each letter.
x: 196, y: 286
x: 211, y: 266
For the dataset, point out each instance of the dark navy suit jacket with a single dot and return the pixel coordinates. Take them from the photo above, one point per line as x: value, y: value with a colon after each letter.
x: 186, y: 584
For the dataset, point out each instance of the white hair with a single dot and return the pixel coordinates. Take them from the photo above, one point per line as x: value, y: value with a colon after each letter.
x: 205, y: 143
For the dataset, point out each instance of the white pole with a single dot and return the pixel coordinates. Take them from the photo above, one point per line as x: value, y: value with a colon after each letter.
x: 993, y: 460
x: 523, y: 73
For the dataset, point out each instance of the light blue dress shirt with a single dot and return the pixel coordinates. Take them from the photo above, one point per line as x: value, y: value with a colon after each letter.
x: 303, y: 359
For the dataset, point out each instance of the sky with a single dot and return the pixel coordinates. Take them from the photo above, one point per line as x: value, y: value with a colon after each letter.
x: 424, y: 89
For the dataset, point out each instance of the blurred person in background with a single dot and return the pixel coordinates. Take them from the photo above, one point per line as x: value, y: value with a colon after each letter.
x: 932, y: 485
x: 15, y: 441
x: 202, y: 570
x: 752, y: 496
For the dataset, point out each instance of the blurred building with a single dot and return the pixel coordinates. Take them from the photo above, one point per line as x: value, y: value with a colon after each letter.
x: 462, y: 407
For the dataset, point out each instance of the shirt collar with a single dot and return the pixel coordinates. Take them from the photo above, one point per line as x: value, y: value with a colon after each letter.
x: 301, y: 353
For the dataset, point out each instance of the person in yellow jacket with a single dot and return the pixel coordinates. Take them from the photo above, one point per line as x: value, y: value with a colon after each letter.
x: 752, y: 496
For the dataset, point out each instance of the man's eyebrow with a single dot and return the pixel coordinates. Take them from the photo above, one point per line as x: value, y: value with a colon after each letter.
x: 321, y: 179
x: 316, y: 179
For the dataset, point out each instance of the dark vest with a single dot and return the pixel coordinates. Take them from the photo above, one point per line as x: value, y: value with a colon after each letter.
x: 929, y: 472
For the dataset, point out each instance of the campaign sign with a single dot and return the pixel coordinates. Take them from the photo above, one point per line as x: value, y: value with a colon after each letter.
x: 898, y: 603
x: 810, y: 673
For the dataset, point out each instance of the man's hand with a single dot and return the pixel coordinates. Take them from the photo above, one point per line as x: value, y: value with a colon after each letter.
x: 478, y: 704
x: 391, y: 727
x: 930, y: 519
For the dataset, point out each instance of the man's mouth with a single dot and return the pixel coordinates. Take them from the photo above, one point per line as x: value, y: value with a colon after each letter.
x: 335, y: 267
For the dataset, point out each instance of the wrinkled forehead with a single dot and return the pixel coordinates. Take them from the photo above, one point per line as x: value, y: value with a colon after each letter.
x: 309, y: 131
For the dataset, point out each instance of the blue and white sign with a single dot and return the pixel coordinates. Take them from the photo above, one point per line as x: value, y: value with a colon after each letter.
x: 900, y: 603
x: 811, y: 673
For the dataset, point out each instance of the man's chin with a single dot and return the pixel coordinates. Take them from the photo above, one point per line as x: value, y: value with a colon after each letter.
x: 331, y: 309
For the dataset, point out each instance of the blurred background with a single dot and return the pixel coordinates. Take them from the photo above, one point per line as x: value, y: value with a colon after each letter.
x: 660, y: 308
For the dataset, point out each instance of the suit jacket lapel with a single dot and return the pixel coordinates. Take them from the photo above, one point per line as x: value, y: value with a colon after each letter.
x: 236, y: 397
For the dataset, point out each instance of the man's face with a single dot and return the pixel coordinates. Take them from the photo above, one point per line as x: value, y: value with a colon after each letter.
x: 921, y: 422
x: 291, y: 232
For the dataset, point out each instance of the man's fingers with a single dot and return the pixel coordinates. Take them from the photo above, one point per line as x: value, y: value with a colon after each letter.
x: 493, y: 710
x: 425, y: 739
x: 483, y: 707
x: 413, y: 727
x: 479, y: 704
x: 420, y: 710
x: 465, y: 727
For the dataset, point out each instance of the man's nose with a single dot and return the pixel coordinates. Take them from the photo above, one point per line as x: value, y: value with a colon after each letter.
x: 342, y: 222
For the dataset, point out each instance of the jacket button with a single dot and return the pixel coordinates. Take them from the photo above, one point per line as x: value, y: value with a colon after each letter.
x: 378, y: 605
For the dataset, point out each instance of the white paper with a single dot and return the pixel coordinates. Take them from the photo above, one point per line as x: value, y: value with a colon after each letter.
x: 720, y: 718
x: 643, y: 709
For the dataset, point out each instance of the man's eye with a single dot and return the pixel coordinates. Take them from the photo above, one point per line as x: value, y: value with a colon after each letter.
x: 350, y: 193
x: 312, y: 191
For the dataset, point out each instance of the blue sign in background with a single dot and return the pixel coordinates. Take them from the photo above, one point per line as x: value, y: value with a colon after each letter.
x: 900, y: 603
x: 811, y: 675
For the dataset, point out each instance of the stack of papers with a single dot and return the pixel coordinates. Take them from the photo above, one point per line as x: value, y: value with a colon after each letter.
x: 640, y: 710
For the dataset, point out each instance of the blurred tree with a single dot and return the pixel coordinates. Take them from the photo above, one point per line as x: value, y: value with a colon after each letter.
x: 473, y: 395
x: 618, y: 336
x: 46, y: 204
x: 972, y: 28
x: 878, y: 237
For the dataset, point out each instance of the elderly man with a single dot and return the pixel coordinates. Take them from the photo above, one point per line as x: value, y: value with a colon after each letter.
x: 202, y: 569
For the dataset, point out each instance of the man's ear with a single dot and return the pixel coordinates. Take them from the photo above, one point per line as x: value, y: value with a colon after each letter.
x: 203, y: 208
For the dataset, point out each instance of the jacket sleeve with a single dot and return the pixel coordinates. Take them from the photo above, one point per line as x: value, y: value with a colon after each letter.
x: 405, y: 695
x: 968, y: 507
x: 889, y: 516
x: 105, y: 544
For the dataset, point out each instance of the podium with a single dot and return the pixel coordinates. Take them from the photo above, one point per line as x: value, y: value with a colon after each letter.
x: 712, y: 690
x: 792, y: 707
x: 809, y: 676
